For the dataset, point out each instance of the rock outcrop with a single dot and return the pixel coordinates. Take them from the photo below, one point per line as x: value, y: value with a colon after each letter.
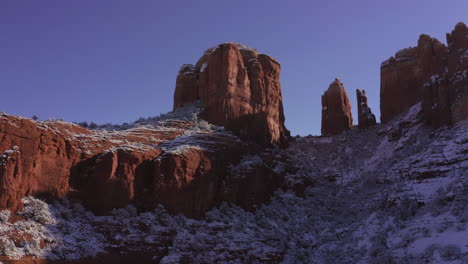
x: 113, y: 179
x: 365, y: 116
x: 240, y: 90
x: 186, y: 90
x: 193, y: 178
x: 336, y: 109
x: 432, y: 73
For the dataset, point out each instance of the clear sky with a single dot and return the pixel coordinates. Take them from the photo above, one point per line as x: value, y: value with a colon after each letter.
x: 115, y: 61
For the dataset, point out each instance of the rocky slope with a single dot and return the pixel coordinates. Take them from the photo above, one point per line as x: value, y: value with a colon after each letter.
x: 399, y: 195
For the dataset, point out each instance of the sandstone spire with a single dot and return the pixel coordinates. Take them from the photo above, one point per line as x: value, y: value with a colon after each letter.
x: 365, y: 116
x: 336, y: 109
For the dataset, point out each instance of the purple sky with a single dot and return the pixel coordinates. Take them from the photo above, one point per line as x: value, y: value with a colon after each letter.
x: 115, y: 61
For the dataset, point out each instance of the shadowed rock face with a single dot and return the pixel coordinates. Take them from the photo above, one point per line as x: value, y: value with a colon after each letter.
x: 240, y: 90
x: 365, y: 116
x: 432, y: 73
x: 186, y: 86
x: 457, y: 73
x: 402, y: 76
x: 336, y: 109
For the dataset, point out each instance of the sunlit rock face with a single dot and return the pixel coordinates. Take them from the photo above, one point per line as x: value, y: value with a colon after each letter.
x: 42, y: 159
x: 430, y: 72
x: 37, y: 159
x: 336, y: 109
x: 240, y: 90
x: 183, y: 165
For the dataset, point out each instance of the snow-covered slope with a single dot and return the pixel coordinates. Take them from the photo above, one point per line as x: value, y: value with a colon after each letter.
x: 394, y: 193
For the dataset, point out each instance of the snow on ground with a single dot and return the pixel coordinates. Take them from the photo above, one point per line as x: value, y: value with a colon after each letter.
x: 394, y: 193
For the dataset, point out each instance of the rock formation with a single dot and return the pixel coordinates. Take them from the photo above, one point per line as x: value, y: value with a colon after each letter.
x: 432, y: 73
x: 175, y: 163
x: 37, y: 160
x: 445, y: 98
x: 240, y: 90
x: 402, y: 76
x: 146, y: 166
x: 186, y: 90
x: 365, y: 116
x: 336, y: 110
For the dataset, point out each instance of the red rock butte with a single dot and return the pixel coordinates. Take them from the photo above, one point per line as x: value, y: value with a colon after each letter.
x: 239, y: 88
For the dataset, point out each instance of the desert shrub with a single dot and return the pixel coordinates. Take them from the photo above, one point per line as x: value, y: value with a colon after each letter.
x: 450, y: 252
x: 37, y: 210
x: 83, y: 124
x: 8, y: 248
x: 93, y: 125
x: 4, y: 216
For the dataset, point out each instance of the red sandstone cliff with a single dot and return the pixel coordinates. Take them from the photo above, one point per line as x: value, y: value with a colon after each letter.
x: 240, y: 90
x: 336, y: 109
x: 173, y: 163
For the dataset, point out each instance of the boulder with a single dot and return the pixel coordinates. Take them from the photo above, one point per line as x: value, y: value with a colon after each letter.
x: 336, y: 109
x: 240, y: 90
x: 365, y: 116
